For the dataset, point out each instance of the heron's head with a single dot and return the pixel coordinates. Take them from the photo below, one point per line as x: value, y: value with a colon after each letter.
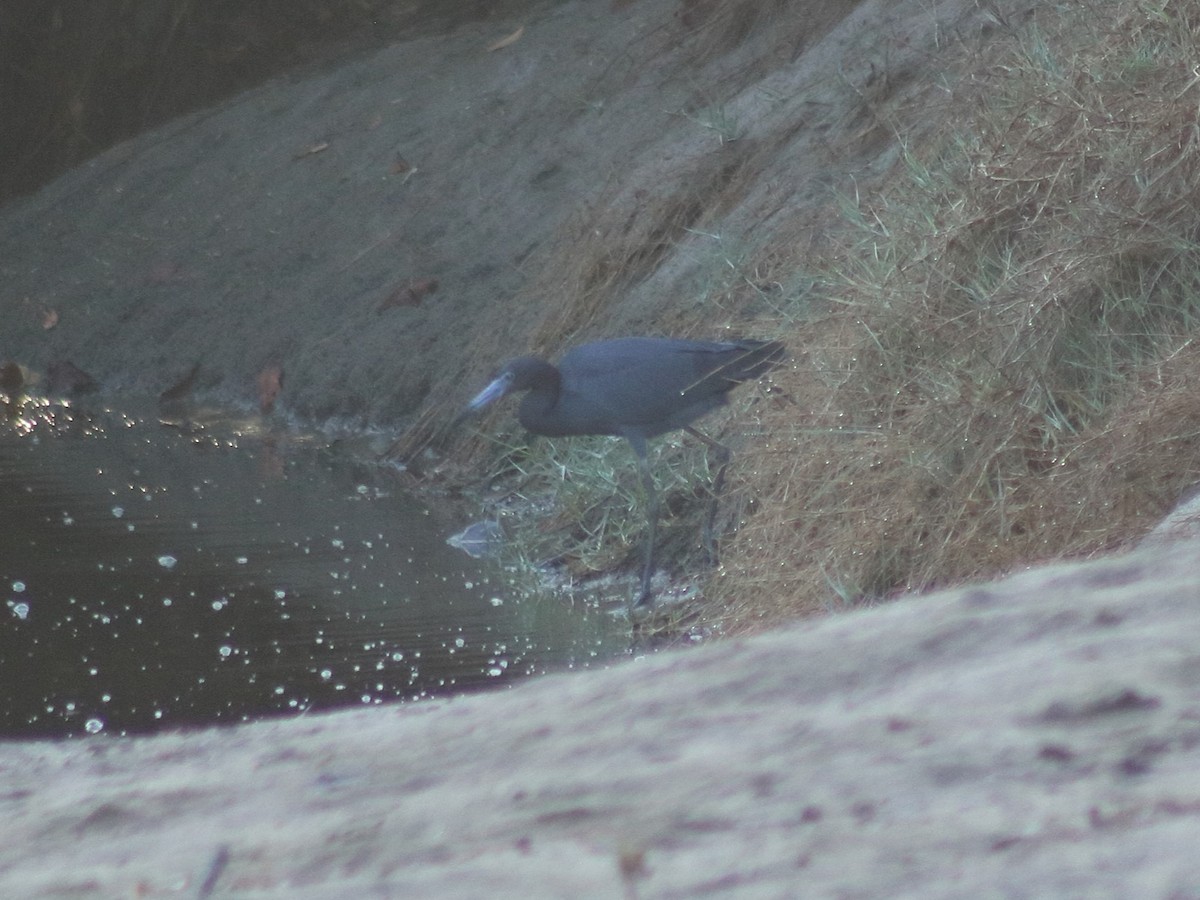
x: 522, y: 374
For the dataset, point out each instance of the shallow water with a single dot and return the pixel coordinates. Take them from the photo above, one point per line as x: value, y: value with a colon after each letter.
x: 157, y: 576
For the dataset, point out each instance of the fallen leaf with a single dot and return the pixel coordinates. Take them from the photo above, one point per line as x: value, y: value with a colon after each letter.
x: 270, y: 383
x: 506, y: 41
x: 11, y: 380
x: 410, y: 295
x: 401, y: 166
x: 49, y: 319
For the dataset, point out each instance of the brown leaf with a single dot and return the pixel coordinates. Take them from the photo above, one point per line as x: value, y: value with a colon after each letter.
x: 506, y: 41
x: 410, y: 295
x: 270, y: 383
x: 11, y: 380
x: 401, y: 166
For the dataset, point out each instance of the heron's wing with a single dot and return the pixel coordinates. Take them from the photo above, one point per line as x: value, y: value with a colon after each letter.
x: 641, y: 383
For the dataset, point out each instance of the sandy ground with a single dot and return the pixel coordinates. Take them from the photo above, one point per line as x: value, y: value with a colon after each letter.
x: 1038, y: 737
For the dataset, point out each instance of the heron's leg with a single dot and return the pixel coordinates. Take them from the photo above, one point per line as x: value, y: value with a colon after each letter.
x: 722, y: 454
x: 644, y: 598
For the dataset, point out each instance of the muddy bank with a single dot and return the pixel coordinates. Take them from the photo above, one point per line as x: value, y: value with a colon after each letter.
x: 377, y: 230
x: 1034, y: 737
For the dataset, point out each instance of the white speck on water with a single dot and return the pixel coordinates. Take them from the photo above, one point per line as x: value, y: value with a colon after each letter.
x: 167, y: 601
x: 167, y: 561
x: 241, y: 560
x: 496, y: 601
x: 118, y: 511
x: 459, y: 643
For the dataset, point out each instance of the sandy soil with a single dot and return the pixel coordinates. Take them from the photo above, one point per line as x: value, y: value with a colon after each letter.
x: 1035, y: 737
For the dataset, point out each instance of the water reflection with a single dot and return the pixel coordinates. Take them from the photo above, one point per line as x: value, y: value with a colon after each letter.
x: 157, y: 577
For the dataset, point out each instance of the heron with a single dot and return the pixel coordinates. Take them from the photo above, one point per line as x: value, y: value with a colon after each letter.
x: 636, y: 388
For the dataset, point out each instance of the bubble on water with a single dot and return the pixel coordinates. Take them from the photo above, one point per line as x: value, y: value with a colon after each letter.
x: 459, y: 643
x: 167, y: 601
x: 397, y: 656
x: 241, y: 560
x: 225, y: 650
x: 496, y: 601
x: 18, y: 587
x: 93, y: 726
x: 220, y: 603
x: 167, y: 561
x: 118, y: 511
x: 20, y: 610
x: 326, y: 674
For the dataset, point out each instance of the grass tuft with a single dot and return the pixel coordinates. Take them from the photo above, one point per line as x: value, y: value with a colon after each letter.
x: 1007, y: 368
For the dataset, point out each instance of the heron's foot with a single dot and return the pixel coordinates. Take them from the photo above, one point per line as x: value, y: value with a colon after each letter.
x: 644, y: 600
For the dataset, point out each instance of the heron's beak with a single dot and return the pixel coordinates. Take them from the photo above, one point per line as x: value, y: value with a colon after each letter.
x: 491, y: 393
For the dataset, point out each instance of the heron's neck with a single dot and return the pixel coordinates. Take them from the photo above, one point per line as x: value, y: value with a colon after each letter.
x: 539, y: 403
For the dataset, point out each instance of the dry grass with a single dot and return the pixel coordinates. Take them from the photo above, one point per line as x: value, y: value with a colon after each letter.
x: 1006, y: 372
x: 1003, y: 370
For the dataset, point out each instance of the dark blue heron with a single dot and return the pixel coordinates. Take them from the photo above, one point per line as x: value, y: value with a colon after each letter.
x: 635, y: 388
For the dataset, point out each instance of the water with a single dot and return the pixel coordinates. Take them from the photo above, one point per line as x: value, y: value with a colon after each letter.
x: 156, y: 577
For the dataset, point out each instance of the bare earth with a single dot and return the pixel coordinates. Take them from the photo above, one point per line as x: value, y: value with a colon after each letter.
x: 1035, y: 737
x: 1038, y: 737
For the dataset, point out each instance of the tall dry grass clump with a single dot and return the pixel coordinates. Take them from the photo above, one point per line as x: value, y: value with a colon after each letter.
x: 1008, y: 369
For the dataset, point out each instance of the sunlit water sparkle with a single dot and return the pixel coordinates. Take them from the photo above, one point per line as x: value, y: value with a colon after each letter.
x: 166, y: 576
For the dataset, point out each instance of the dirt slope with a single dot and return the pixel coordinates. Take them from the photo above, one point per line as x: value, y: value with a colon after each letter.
x: 272, y: 230
x: 1035, y: 737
